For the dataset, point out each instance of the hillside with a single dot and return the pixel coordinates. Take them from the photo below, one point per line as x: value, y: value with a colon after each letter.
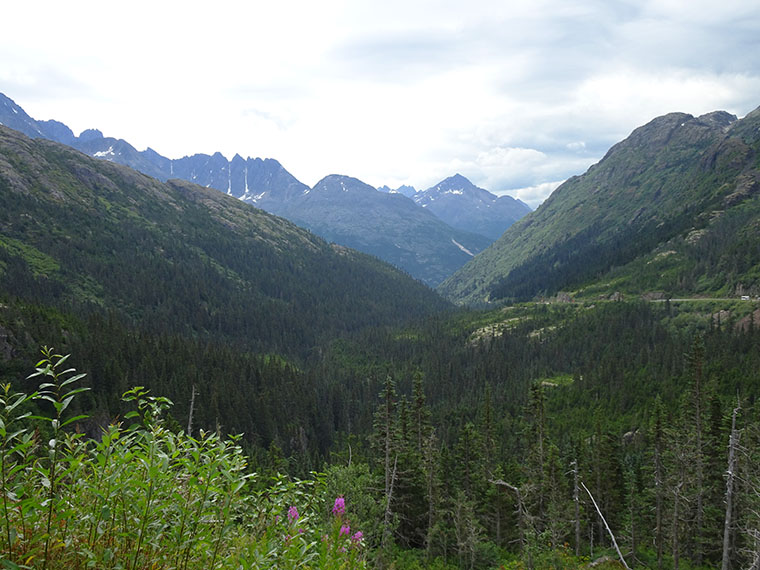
x: 86, y: 235
x: 391, y: 226
x: 664, y: 211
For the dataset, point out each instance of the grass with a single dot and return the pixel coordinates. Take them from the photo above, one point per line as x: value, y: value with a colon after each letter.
x: 39, y: 263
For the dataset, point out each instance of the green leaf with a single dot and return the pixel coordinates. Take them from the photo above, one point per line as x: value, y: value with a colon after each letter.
x: 76, y: 391
x: 74, y: 419
x: 65, y: 403
x: 7, y: 563
x: 61, y: 360
x: 72, y: 379
x: 48, y: 398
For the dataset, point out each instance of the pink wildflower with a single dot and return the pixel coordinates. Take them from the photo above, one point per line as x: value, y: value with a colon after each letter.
x: 339, y: 508
x: 357, y: 537
x: 345, y: 530
x: 292, y: 514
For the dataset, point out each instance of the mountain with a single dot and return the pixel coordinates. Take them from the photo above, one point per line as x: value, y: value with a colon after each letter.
x: 462, y: 205
x: 263, y: 182
x: 391, y: 226
x: 672, y: 209
x: 84, y: 235
x: 414, y: 241
x: 404, y: 190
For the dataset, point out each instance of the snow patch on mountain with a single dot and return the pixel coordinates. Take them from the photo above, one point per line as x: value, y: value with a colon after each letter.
x: 105, y: 153
x: 463, y: 248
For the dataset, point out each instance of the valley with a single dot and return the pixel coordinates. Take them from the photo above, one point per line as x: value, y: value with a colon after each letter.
x: 257, y: 396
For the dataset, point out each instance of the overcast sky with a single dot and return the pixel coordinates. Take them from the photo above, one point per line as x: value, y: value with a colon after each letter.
x: 516, y: 95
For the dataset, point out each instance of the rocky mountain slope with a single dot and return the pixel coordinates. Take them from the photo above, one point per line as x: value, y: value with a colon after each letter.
x: 666, y: 211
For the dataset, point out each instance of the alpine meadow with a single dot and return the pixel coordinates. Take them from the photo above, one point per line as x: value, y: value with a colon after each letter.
x: 188, y: 381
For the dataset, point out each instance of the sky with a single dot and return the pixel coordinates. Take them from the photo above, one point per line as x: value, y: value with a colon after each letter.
x: 516, y: 95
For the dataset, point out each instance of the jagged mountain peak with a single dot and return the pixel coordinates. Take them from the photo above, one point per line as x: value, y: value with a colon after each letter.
x: 720, y: 119
x: 341, y: 208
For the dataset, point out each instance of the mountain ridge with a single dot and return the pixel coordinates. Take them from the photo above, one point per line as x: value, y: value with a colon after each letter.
x: 83, y: 234
x: 661, y: 182
x: 431, y: 252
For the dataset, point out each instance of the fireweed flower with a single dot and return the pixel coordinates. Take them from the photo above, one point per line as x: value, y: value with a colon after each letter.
x: 345, y: 530
x: 292, y: 514
x: 339, y: 508
x: 357, y: 537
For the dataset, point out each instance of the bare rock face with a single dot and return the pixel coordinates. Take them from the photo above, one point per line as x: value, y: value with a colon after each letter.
x: 6, y: 348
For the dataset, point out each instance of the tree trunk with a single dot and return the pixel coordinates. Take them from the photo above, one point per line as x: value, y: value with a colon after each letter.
x: 576, y: 501
x: 676, y: 508
x: 388, y: 499
x: 521, y: 511
x: 733, y: 444
x: 609, y: 531
x: 659, y: 499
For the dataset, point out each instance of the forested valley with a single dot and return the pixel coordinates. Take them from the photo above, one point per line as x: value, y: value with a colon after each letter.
x: 474, y: 439
x: 188, y: 382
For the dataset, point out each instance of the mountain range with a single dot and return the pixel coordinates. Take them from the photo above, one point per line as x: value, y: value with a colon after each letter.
x: 83, y: 235
x: 672, y: 210
x: 430, y: 243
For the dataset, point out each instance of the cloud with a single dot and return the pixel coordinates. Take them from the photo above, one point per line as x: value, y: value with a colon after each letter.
x: 515, y: 95
x: 532, y: 195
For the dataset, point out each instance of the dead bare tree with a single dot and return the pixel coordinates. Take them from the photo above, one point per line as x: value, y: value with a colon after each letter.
x: 190, y: 415
x: 576, y: 501
x: 388, y: 499
x: 609, y: 531
x: 733, y: 445
x: 522, y: 516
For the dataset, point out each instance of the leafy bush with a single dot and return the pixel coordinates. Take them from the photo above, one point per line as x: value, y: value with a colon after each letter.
x: 143, y: 496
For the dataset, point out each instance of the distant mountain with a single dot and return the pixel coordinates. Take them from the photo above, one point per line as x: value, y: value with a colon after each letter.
x: 264, y: 183
x: 672, y: 209
x: 84, y: 235
x: 404, y: 190
x: 391, y: 226
x: 414, y: 241
x: 462, y: 205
